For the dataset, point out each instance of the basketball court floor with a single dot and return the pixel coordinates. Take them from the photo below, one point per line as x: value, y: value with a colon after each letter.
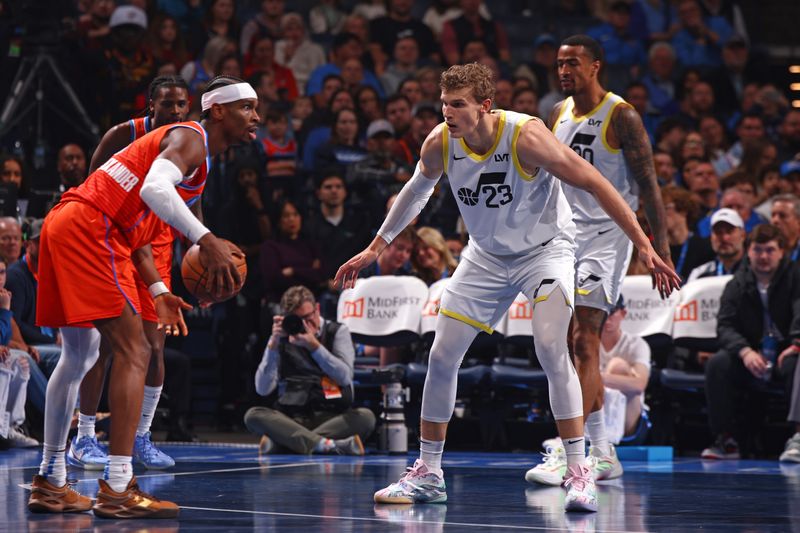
x: 228, y: 488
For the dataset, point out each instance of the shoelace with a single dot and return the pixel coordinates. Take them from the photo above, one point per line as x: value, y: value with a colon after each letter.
x: 71, y: 485
x: 579, y: 481
x: 410, y: 471
x: 551, y: 456
x: 139, y: 492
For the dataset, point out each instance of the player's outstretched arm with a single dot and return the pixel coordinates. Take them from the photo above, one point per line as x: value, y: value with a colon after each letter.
x: 410, y: 201
x: 629, y: 130
x: 538, y: 147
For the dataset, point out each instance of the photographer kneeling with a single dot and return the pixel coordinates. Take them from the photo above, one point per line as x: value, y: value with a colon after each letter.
x: 313, y: 359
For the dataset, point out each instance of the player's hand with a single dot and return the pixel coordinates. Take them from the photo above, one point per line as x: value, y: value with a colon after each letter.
x: 170, y: 316
x: 215, y: 254
x: 664, y: 277
x: 348, y: 273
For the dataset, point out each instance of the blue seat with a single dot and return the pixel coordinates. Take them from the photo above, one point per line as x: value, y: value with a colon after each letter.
x: 467, y: 377
x: 514, y: 376
x: 682, y: 380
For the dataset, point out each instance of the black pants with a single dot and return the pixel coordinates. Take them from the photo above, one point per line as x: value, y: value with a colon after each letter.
x: 727, y: 379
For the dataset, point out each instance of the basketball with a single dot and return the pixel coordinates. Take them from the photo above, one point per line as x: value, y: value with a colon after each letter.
x: 468, y: 196
x: 195, y: 276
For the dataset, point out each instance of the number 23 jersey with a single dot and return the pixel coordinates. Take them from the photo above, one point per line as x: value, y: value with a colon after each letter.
x: 506, y: 210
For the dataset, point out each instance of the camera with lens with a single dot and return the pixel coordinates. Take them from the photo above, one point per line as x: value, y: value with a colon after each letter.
x: 293, y: 325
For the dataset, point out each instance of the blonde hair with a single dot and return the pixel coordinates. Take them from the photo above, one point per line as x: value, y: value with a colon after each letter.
x: 295, y: 296
x: 475, y: 76
x: 432, y: 238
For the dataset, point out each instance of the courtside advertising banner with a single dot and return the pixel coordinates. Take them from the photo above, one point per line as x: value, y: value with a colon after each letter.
x: 696, y: 314
x: 383, y: 305
x: 647, y: 314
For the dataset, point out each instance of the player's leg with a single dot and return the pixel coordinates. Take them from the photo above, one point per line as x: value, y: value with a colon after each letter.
x: 424, y: 483
x: 119, y: 495
x: 84, y: 450
x: 475, y: 299
x: 144, y: 451
x: 587, y: 327
x: 50, y: 492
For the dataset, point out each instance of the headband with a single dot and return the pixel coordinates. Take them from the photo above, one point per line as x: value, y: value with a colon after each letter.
x: 227, y: 94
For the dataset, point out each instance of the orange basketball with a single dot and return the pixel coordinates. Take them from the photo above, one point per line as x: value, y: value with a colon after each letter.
x: 196, y: 279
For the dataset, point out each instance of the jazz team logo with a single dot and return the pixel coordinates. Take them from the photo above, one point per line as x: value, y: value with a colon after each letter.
x: 353, y: 309
x: 686, y: 312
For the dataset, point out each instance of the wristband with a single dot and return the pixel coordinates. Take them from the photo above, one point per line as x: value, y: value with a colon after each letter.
x: 157, y: 289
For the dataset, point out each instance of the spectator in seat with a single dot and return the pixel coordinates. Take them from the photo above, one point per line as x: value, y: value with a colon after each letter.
x: 786, y: 217
x: 471, y: 24
x: 665, y: 168
x: 432, y: 259
x: 399, y: 22
x: 727, y: 241
x: 289, y: 259
x: 789, y: 136
x: 394, y: 261
x: 698, y: 41
x: 758, y: 321
x: 624, y: 52
x: 296, y: 51
x: 625, y: 367
x: 313, y: 412
x: 408, y: 147
x: 687, y: 249
x: 15, y: 372
x: 398, y: 113
x: 703, y: 182
x: 10, y: 239
x: 373, y: 179
x: 340, y: 231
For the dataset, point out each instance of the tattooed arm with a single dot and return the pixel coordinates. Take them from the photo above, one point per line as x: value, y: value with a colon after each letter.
x: 631, y: 136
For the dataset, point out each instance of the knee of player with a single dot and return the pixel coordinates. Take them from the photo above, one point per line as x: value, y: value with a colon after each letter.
x: 586, y: 345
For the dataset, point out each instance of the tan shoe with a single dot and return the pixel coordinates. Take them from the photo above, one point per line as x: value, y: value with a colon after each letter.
x: 47, y: 498
x: 131, y: 503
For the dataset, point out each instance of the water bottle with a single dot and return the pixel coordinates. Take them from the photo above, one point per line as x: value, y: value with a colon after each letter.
x: 394, y: 434
x: 769, y: 351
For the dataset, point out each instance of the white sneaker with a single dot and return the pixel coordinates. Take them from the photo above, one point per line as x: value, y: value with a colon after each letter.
x: 552, y: 469
x: 555, y: 442
x: 791, y: 453
x: 417, y: 485
x: 17, y: 439
x: 581, y: 489
x: 605, y: 466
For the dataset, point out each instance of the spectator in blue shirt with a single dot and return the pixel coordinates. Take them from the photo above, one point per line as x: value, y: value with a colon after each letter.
x: 699, y: 41
x: 624, y: 53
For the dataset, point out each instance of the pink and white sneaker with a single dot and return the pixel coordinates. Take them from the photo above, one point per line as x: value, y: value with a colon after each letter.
x: 418, y: 485
x: 581, y: 489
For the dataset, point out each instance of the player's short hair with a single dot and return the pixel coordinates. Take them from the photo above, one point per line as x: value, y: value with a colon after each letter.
x: 216, y: 83
x: 296, y: 296
x: 472, y: 75
x: 162, y: 82
x: 592, y: 47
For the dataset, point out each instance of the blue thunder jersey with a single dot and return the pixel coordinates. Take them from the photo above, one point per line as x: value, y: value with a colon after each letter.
x: 506, y: 210
x: 586, y: 135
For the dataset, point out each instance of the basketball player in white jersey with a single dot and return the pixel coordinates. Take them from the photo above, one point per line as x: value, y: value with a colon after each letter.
x: 606, y: 131
x: 503, y: 168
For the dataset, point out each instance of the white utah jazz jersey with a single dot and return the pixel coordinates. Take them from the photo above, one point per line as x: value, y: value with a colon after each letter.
x: 587, y: 136
x: 506, y: 211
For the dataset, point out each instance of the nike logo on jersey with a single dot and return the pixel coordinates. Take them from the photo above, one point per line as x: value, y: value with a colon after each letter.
x: 604, y: 231
x: 563, y: 121
x: 456, y: 158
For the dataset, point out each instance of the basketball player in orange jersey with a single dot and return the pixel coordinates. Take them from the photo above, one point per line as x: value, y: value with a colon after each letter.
x: 168, y: 103
x: 86, y: 281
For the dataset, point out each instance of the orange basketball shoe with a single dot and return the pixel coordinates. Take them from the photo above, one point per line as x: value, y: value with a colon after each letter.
x: 131, y: 503
x: 47, y: 498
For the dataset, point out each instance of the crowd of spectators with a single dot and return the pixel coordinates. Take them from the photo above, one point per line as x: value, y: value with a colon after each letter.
x: 349, y: 90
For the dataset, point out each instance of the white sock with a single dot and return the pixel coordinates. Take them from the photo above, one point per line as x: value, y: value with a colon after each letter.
x: 85, y: 425
x: 575, y: 449
x: 149, y: 404
x: 430, y: 451
x: 118, y: 472
x: 53, y: 467
x: 324, y: 445
x: 596, y: 431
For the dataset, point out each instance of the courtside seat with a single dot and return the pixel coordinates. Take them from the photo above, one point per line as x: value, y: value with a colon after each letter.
x: 682, y: 380
x: 365, y: 376
x: 506, y: 375
x: 467, y: 377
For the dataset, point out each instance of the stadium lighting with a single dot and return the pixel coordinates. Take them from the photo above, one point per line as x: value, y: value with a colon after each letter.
x: 794, y: 69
